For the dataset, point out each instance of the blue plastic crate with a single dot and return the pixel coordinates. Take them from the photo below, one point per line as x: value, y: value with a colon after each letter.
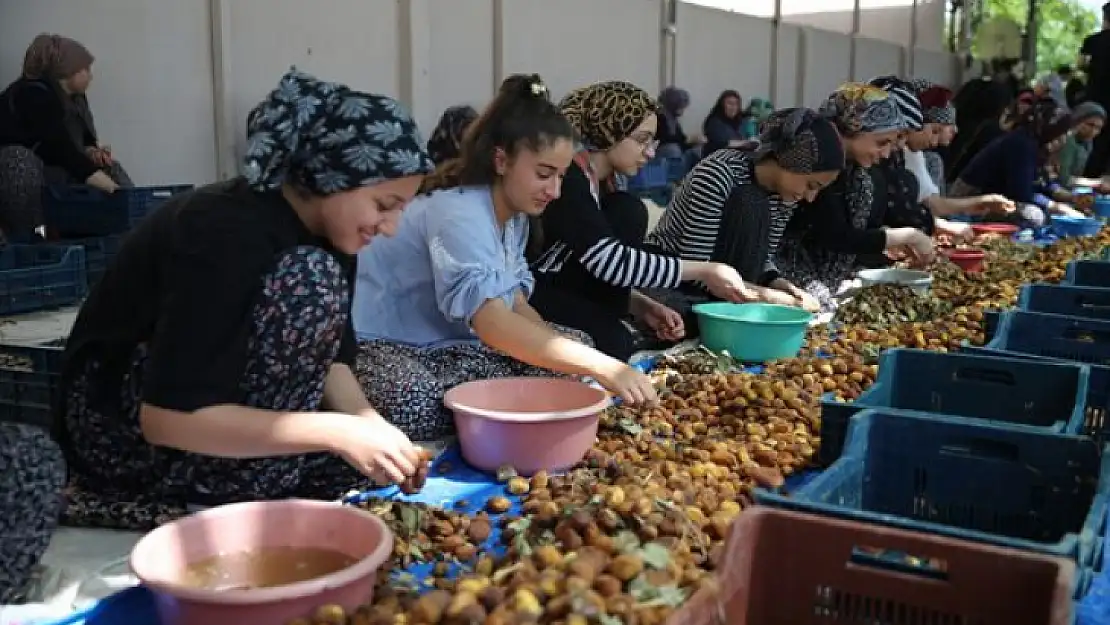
x: 99, y: 253
x: 1066, y: 339
x: 82, y: 211
x: 1064, y: 299
x: 29, y: 377
x: 1021, y: 393
x: 39, y: 277
x: 1088, y: 273
x: 991, y: 319
x: 676, y: 169
x: 969, y: 479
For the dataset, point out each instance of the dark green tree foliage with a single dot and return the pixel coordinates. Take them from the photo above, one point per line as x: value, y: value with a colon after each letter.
x: 1062, y: 25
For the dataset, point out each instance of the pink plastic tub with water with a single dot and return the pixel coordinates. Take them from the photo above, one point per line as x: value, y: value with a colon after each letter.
x: 161, y: 558
x: 527, y: 423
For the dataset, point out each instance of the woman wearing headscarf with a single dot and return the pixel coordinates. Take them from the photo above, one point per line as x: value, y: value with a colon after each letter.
x: 1014, y: 165
x: 47, y: 135
x: 723, y: 126
x: 759, y: 109
x: 587, y: 250
x: 734, y: 206
x: 846, y: 226
x: 943, y: 116
x: 443, y: 144
x: 998, y: 112
x: 673, y: 142
x: 213, y: 361
x: 1087, y: 121
x: 902, y: 180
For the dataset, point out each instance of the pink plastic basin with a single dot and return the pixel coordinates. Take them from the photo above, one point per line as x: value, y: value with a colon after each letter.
x: 160, y: 559
x: 527, y: 423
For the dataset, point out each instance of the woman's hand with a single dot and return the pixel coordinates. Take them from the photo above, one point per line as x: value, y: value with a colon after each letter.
x: 725, y: 283
x: 102, y: 181
x: 377, y: 449
x: 991, y: 204
x: 664, y: 321
x: 99, y: 156
x: 957, y: 231
x: 911, y: 243
x: 626, y: 382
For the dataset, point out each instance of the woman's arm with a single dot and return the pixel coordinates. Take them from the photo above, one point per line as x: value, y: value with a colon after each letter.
x: 537, y: 344
x: 343, y: 393
x: 234, y: 431
x: 524, y: 309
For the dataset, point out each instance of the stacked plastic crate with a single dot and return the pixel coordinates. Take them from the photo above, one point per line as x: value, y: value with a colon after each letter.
x: 1001, y: 445
x: 86, y: 227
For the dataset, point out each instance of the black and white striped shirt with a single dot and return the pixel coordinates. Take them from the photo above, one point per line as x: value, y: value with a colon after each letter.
x: 575, y: 230
x: 692, y: 220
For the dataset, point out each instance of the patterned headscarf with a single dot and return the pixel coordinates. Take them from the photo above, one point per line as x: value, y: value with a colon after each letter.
x: 936, y: 102
x: 444, y: 143
x: 858, y: 108
x: 55, y: 56
x: 328, y: 138
x: 801, y: 141
x: 903, y: 95
x: 606, y: 113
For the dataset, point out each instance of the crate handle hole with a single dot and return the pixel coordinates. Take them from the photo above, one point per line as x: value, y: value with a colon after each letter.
x: 1080, y: 335
x: 887, y: 560
x: 990, y: 376
x: 982, y: 449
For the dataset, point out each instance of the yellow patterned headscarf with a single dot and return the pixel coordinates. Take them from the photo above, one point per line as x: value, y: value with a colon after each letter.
x: 857, y: 108
x: 606, y: 113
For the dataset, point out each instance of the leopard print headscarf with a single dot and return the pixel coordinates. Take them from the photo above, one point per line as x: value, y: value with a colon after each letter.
x: 606, y: 113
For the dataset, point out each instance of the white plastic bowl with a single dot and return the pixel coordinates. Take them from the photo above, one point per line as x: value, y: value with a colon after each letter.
x: 920, y: 281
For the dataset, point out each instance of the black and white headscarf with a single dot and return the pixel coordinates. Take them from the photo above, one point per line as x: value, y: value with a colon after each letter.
x: 801, y: 141
x: 903, y: 94
x: 328, y: 138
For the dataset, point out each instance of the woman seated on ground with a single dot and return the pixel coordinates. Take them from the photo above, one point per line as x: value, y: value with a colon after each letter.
x: 588, y: 252
x: 759, y: 109
x: 214, y: 360
x: 445, y: 300
x: 845, y: 227
x: 47, y: 134
x: 733, y: 207
x: 1012, y: 165
x: 32, y: 479
x: 999, y: 112
x: 723, y: 126
x: 446, y: 139
x: 673, y: 141
x: 902, y: 180
x: 1087, y: 121
x: 944, y: 119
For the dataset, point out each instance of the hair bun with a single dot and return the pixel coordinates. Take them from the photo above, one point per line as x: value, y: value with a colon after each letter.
x: 526, y: 85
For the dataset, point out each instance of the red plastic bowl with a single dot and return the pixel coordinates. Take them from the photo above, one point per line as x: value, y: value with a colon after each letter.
x: 527, y: 423
x: 969, y: 260
x: 999, y: 229
x: 161, y: 558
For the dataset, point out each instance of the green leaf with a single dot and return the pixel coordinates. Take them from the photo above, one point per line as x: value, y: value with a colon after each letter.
x: 626, y: 542
x: 655, y: 555
x: 410, y: 519
x: 631, y: 427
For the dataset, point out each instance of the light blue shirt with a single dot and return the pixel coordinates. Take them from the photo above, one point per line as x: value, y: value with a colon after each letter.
x: 449, y: 256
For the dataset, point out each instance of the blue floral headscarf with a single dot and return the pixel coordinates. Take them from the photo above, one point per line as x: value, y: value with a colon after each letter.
x: 328, y: 138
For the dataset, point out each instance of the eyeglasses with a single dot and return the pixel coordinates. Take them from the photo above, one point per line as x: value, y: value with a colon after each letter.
x: 648, y: 143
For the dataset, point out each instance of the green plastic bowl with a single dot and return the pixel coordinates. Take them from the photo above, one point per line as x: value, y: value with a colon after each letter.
x: 752, y: 332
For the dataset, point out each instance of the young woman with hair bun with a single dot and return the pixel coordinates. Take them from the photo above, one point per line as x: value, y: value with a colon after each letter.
x: 445, y: 301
